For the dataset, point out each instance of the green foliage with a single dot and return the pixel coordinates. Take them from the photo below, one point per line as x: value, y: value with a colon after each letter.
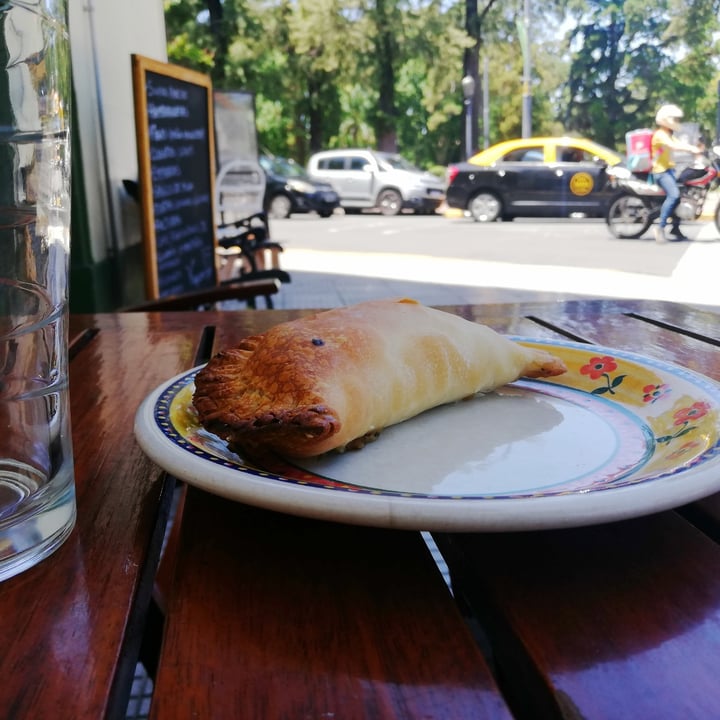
x: 342, y: 73
x: 628, y: 58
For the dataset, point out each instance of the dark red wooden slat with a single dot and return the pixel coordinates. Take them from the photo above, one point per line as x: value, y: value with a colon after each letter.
x: 73, y: 613
x: 278, y: 617
x: 618, y: 621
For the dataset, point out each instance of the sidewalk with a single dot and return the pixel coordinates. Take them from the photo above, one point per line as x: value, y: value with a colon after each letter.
x: 323, y: 279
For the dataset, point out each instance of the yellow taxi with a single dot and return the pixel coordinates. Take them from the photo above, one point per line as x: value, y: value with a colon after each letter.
x: 545, y: 149
x: 533, y: 177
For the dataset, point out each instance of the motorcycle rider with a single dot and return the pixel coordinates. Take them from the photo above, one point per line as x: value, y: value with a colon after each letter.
x: 668, y: 119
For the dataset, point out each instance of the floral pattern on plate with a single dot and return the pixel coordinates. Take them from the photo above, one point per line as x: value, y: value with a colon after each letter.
x: 661, y: 420
x: 680, y: 407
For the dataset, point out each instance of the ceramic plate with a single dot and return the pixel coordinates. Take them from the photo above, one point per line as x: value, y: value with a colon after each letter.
x: 619, y: 435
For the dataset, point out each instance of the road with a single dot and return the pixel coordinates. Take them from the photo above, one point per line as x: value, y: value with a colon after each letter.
x: 568, y: 255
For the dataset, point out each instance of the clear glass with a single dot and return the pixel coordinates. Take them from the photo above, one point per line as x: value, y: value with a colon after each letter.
x: 37, y: 490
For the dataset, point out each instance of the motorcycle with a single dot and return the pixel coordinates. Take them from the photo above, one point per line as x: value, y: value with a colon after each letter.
x: 637, y: 203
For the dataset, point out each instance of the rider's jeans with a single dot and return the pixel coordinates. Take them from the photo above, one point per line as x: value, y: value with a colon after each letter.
x: 668, y: 183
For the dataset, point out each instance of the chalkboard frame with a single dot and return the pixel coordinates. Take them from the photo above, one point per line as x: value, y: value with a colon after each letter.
x: 141, y: 66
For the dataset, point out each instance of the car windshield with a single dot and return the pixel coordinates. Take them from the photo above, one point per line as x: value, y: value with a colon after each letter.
x: 282, y: 167
x: 396, y: 162
x: 601, y: 151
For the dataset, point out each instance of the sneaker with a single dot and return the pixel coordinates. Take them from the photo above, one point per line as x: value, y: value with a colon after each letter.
x: 660, y: 234
x: 678, y: 234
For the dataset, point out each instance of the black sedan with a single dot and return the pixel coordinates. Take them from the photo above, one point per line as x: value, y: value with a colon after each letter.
x: 289, y: 189
x: 543, y: 181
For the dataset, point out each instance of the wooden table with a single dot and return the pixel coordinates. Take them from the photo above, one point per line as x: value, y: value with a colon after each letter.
x: 271, y: 616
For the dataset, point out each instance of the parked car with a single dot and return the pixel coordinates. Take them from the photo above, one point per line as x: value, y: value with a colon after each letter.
x: 373, y: 179
x: 533, y: 177
x: 288, y: 190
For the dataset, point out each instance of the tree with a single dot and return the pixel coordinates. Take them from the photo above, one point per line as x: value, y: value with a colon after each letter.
x: 628, y: 58
x: 428, y: 95
x: 386, y: 73
x: 474, y: 22
x: 332, y: 72
x: 385, y: 23
x: 501, y: 48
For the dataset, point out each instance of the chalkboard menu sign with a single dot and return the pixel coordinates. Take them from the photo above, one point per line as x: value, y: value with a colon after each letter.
x: 176, y: 160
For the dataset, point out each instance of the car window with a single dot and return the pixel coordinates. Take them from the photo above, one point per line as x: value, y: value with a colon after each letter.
x: 575, y: 155
x: 597, y: 152
x: 291, y: 169
x: 282, y: 167
x: 358, y: 163
x: 333, y: 163
x: 396, y: 162
x: 532, y: 154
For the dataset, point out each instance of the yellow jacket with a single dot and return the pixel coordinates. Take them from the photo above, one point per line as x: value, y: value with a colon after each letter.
x: 662, y: 145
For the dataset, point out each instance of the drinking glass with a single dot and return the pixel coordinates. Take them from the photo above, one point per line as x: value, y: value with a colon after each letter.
x: 37, y: 490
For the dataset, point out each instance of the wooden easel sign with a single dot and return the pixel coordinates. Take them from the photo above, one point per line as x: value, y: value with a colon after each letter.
x: 176, y: 161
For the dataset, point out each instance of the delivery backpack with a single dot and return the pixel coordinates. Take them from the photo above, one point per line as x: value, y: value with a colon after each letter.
x: 639, y: 150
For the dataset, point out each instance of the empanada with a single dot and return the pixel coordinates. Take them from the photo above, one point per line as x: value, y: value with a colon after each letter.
x: 333, y: 379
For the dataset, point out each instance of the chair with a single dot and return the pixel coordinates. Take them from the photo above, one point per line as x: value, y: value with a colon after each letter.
x: 246, y: 290
x: 247, y: 268
x: 247, y: 253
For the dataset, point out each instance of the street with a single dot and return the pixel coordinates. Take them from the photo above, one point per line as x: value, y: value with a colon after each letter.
x: 557, y: 255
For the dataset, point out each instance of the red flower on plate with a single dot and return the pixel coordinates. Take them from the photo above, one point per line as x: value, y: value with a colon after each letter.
x: 684, y: 449
x: 688, y: 414
x: 651, y: 393
x: 599, y: 366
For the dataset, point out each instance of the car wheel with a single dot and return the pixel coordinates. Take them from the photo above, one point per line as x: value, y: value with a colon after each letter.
x: 485, y: 207
x: 628, y: 217
x: 325, y: 213
x: 389, y: 202
x: 280, y: 207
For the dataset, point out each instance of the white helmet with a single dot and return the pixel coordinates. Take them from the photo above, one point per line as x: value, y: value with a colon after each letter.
x: 669, y: 116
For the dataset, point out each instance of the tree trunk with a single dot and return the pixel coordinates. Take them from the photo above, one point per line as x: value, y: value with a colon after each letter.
x: 471, y: 60
x: 385, y: 130
x: 219, y: 32
x: 315, y: 116
x: 471, y: 63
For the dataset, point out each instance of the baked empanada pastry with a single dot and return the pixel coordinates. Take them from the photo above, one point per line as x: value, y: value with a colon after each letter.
x: 333, y: 380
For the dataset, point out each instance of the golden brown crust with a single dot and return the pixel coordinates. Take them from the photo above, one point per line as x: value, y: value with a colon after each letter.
x: 265, y: 388
x: 326, y: 381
